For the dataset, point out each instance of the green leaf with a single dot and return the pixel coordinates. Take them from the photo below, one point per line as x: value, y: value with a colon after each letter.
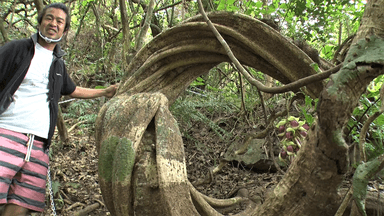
x: 316, y: 67
x: 55, y: 187
x: 358, y: 111
x: 308, y: 101
x: 195, y: 83
x: 233, y: 8
x: 259, y: 4
x: 283, y: 6
x: 200, y: 79
x: 379, y: 120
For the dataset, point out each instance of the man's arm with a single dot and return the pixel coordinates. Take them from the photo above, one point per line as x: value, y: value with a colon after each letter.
x: 87, y: 93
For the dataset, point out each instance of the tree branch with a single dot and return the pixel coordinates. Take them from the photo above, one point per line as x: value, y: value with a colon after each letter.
x: 167, y: 6
x: 258, y: 84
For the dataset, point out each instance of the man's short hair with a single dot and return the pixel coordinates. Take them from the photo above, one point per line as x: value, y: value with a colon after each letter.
x: 58, y: 6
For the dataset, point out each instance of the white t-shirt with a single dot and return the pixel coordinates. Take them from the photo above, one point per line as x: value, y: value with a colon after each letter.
x: 29, y: 113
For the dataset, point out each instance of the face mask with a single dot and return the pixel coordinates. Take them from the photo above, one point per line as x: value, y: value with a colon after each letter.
x: 49, y: 40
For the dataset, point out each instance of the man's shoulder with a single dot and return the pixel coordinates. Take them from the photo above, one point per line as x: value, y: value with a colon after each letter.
x: 26, y: 42
x: 18, y: 44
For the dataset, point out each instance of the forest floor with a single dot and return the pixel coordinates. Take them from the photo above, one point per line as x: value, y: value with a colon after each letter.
x: 74, y: 172
x: 75, y: 177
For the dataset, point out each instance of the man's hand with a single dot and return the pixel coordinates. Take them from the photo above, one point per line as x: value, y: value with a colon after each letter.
x: 110, y: 91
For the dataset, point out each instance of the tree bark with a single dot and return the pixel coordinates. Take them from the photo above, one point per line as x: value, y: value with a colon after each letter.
x: 269, y: 82
x: 126, y: 34
x: 77, y: 33
x: 191, y: 47
x: 62, y: 129
x: 98, y: 33
x: 39, y: 5
x: 144, y: 29
x: 3, y: 30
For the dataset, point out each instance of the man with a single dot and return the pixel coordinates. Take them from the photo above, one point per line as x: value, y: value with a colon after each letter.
x: 37, y: 75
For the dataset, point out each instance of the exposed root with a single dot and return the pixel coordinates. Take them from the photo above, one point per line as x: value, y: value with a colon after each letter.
x: 212, y: 171
x: 87, y: 210
x: 248, y: 210
x: 100, y: 202
x: 220, y: 166
x: 222, y: 203
x: 208, y: 205
x: 75, y: 205
x: 201, y: 204
x: 344, y: 204
x: 277, y: 166
x: 66, y: 197
x: 75, y: 125
x: 244, y: 147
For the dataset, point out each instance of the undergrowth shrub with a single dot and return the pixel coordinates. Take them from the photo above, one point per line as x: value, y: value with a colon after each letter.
x: 84, y: 110
x: 194, y: 109
x: 374, y: 141
x: 80, y: 109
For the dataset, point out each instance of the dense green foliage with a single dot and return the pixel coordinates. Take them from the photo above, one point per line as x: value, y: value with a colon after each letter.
x: 369, y: 104
x: 83, y: 110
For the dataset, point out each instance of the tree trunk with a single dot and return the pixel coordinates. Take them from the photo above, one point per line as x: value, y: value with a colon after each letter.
x: 39, y: 5
x: 126, y: 34
x: 3, y: 30
x: 99, y: 38
x: 144, y: 29
x: 62, y: 129
x: 269, y: 82
x: 71, y: 49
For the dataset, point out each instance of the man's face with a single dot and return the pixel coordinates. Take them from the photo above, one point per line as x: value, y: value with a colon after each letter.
x: 53, y: 23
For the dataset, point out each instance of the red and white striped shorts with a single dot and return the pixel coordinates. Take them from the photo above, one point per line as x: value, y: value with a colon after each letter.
x: 22, y: 183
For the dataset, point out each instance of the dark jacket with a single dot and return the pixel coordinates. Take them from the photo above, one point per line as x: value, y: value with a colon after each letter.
x: 15, y: 58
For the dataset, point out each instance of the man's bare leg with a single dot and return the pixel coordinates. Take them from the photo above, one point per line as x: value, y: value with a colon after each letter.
x: 14, y: 210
